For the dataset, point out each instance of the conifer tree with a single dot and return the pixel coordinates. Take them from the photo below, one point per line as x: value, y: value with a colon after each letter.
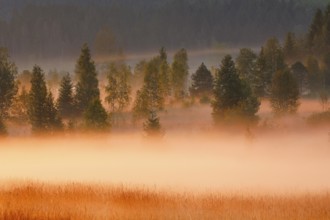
x: 65, y: 101
x: 87, y: 87
x: 315, y: 31
x: 233, y: 97
x: 41, y: 109
x: 202, y: 82
x: 290, y: 46
x: 164, y: 70
x: 3, y: 129
x: 245, y: 62
x: 284, y: 93
x: 95, y: 117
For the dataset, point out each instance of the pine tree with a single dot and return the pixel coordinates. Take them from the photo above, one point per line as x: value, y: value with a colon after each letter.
x: 180, y: 74
x: 150, y: 96
x: 87, y: 87
x: 8, y: 86
x: 41, y: 109
x: 95, y: 117
x: 233, y: 97
x: 152, y: 126
x: 65, y: 101
x: 202, y: 82
x: 284, y: 93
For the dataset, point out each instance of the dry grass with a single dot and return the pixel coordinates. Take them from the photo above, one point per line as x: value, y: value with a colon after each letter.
x: 74, y: 201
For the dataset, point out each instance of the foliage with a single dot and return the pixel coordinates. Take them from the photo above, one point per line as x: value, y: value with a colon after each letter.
x: 284, y: 93
x: 233, y: 97
x: 87, y: 87
x: 202, y: 82
x: 65, y: 101
x: 95, y: 117
x: 8, y: 86
x: 245, y: 63
x: 150, y: 96
x: 118, y: 89
x: 319, y: 119
x: 41, y: 109
x: 152, y: 126
x: 180, y: 74
x: 3, y: 129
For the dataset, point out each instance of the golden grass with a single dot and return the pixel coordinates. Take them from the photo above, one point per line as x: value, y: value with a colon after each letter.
x: 75, y: 201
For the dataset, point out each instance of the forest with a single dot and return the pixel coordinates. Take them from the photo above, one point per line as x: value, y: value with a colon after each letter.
x: 96, y: 99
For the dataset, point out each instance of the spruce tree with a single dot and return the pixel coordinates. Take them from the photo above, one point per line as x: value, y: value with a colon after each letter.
x: 245, y: 62
x: 315, y: 31
x: 41, y: 109
x: 87, y: 87
x: 202, y: 82
x: 290, y: 47
x: 164, y: 70
x: 233, y: 97
x: 65, y: 101
x: 284, y: 93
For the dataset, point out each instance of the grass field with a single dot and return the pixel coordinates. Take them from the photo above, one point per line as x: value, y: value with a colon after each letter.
x: 74, y: 201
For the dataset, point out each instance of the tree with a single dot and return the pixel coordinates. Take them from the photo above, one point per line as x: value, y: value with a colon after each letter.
x: 41, y: 109
x: 118, y: 89
x: 284, y: 93
x: 150, y: 97
x: 315, y: 31
x: 202, y: 82
x: 315, y: 78
x: 19, y: 108
x: 164, y: 73
x: 245, y: 62
x: 65, y: 101
x: 87, y: 87
x: 180, y: 74
x: 95, y: 117
x: 3, y: 129
x: 233, y: 97
x: 152, y: 126
x: 290, y: 46
x: 8, y: 86
x: 274, y: 60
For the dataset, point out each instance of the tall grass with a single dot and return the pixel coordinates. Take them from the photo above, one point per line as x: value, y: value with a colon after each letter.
x: 75, y: 201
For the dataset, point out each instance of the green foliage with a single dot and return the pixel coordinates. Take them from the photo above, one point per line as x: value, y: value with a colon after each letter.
x: 87, y: 87
x: 284, y: 93
x: 274, y: 60
x: 180, y: 74
x: 41, y: 109
x: 19, y: 108
x: 300, y: 74
x: 95, y: 117
x: 164, y: 72
x: 65, y: 101
x: 314, y: 37
x: 234, y: 99
x: 118, y: 89
x: 152, y: 126
x: 245, y: 62
x: 151, y: 96
x: 202, y: 82
x: 8, y: 86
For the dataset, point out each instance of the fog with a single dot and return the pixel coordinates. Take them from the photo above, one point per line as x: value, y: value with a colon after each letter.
x: 271, y: 163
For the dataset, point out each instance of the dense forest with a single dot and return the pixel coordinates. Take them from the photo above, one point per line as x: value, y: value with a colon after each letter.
x: 47, y: 29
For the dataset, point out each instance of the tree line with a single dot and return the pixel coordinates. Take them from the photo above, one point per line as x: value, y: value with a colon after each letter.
x: 279, y: 72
